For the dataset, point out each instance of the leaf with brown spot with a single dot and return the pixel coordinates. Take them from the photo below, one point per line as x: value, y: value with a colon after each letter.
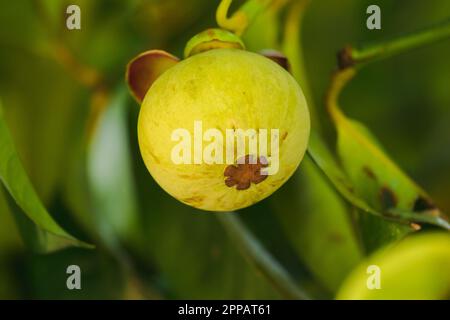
x: 358, y: 149
x: 377, y: 231
x: 423, y: 204
x: 143, y: 70
x: 387, y: 198
x: 369, y: 172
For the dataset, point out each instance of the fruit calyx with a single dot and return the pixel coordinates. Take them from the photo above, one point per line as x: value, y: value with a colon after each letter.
x: 212, y: 39
x: 245, y: 172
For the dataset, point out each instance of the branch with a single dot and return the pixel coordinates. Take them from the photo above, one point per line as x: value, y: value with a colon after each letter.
x: 349, y: 56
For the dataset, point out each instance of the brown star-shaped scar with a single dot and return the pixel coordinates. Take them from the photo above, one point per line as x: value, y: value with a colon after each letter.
x: 242, y: 175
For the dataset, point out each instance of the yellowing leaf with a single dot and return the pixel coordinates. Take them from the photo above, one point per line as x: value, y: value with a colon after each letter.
x: 375, y: 177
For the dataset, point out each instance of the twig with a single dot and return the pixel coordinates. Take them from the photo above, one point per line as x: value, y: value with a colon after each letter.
x: 350, y: 56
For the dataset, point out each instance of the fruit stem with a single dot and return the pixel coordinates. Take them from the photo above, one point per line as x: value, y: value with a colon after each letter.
x: 258, y: 256
x: 350, y: 56
x: 242, y: 18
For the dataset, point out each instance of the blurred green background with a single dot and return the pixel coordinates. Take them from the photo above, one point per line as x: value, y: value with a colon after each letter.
x: 74, y: 125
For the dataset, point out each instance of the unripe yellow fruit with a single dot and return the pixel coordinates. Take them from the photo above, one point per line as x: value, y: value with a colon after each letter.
x: 217, y: 93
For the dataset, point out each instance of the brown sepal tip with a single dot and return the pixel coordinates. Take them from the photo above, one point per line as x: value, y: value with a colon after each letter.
x: 242, y: 175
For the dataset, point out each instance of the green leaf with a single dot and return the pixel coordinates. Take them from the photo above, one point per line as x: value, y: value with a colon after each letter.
x: 47, y: 235
x: 318, y: 151
x: 416, y: 268
x: 9, y: 236
x: 110, y: 172
x: 318, y: 224
x: 375, y: 231
x: 374, y: 176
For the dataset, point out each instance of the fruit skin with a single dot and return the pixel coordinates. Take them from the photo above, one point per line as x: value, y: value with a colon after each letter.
x: 225, y: 89
x: 416, y: 268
